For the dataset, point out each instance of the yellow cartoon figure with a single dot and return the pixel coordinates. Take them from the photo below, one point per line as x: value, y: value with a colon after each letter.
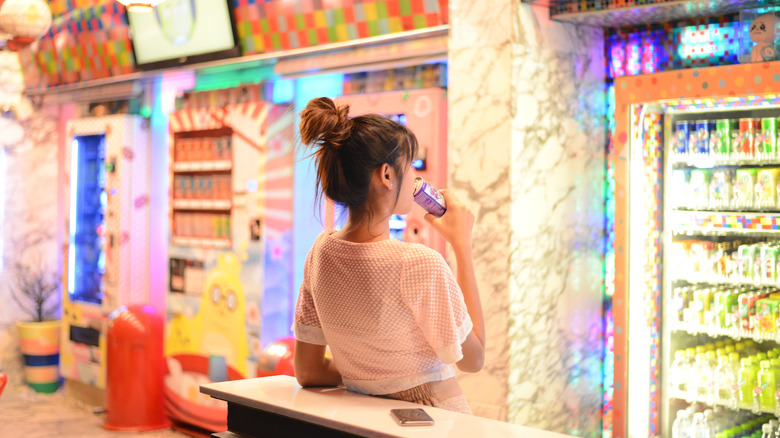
x: 181, y: 335
x: 222, y: 313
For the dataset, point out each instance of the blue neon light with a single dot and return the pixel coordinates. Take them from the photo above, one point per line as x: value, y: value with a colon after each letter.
x: 708, y: 41
x: 74, y: 173
x: 284, y: 91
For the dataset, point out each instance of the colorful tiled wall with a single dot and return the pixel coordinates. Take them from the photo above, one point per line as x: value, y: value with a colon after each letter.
x: 266, y: 26
x: 89, y: 39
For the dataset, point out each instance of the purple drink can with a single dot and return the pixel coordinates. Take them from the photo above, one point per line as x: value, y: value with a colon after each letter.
x: 427, y: 197
x: 683, y: 134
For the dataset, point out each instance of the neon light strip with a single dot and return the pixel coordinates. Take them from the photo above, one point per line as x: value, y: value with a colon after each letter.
x: 653, y: 263
x: 74, y: 178
x: 637, y: 411
x: 608, y: 373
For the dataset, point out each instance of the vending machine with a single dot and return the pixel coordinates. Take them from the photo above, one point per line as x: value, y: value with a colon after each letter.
x: 696, y: 236
x: 230, y: 282
x: 107, y: 256
x: 424, y: 112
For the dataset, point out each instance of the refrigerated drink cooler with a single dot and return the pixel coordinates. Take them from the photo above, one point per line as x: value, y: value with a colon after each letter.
x: 697, y: 252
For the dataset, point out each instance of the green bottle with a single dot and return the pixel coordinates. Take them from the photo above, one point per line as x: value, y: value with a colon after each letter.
x: 766, y: 386
x: 747, y: 382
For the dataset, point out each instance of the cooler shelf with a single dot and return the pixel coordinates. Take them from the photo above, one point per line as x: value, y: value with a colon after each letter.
x: 678, y: 396
x: 709, y: 161
x: 202, y: 204
x: 202, y: 166
x: 734, y: 333
x: 201, y: 242
x: 718, y: 222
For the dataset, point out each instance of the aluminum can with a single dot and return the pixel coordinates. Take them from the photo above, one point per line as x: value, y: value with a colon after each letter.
x: 427, y: 197
x: 725, y: 132
x: 766, y: 143
x: 702, y: 137
x: 747, y: 136
x: 683, y: 133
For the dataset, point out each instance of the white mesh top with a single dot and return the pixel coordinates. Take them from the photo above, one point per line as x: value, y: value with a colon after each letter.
x: 391, y: 312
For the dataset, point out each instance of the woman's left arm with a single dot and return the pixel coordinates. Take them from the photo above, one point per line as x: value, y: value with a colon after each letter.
x: 312, y: 368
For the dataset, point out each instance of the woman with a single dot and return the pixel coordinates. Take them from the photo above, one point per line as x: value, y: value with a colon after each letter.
x: 394, y: 316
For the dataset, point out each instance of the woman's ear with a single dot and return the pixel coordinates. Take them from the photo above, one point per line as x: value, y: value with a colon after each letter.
x: 386, y: 176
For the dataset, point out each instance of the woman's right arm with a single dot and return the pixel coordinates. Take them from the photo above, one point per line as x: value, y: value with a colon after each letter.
x: 312, y: 367
x: 455, y: 226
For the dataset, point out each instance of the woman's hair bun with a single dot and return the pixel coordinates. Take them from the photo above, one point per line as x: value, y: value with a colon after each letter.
x: 324, y: 122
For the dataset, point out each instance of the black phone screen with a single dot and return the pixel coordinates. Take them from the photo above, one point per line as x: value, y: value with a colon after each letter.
x: 411, y: 417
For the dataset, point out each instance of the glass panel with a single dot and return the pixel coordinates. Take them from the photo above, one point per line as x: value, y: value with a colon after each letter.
x: 88, y: 200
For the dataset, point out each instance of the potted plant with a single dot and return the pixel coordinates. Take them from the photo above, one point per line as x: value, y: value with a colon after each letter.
x: 37, y: 292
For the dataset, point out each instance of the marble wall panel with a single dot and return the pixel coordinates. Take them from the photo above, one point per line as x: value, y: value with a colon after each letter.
x: 479, y: 117
x: 526, y: 153
x: 557, y: 191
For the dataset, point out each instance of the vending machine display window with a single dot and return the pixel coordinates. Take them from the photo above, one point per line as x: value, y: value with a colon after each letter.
x: 88, y: 198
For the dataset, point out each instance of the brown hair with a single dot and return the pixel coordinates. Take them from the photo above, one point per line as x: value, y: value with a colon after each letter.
x: 347, y: 150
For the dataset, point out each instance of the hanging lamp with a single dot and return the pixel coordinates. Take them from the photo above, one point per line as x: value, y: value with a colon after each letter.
x: 25, y: 21
x: 140, y: 5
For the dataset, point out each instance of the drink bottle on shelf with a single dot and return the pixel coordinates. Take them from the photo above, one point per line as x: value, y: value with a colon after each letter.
x: 766, y: 386
x: 767, y: 431
x: 699, y: 428
x: 725, y: 379
x: 682, y: 425
x: 713, y: 422
x: 703, y: 376
x: 746, y: 384
x: 678, y: 372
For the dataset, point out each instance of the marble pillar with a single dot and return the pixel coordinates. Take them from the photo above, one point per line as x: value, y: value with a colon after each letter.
x: 526, y: 152
x: 478, y: 157
x: 30, y: 222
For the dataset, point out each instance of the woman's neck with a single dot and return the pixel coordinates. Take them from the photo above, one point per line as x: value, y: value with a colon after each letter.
x: 361, y: 231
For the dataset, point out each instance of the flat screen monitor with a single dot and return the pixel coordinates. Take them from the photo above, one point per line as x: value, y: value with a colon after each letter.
x: 180, y: 32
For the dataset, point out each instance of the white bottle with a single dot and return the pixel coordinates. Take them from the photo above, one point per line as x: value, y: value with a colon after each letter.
x: 724, y: 419
x: 767, y: 431
x: 723, y: 378
x: 678, y: 374
x: 713, y: 423
x: 699, y: 427
x: 681, y: 427
x: 702, y: 377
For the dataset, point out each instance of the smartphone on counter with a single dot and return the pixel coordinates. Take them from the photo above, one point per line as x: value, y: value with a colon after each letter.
x: 411, y: 417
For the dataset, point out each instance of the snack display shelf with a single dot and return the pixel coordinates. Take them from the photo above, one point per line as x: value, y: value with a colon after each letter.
x: 202, y: 204
x: 202, y: 166
x: 203, y: 242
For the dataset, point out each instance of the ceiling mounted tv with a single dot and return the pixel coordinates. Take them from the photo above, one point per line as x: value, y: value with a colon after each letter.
x: 181, y: 32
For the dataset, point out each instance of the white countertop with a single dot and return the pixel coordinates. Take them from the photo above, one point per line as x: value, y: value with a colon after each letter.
x: 340, y: 409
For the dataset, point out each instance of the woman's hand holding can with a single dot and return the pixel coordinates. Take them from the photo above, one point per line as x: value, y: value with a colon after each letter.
x: 455, y: 224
